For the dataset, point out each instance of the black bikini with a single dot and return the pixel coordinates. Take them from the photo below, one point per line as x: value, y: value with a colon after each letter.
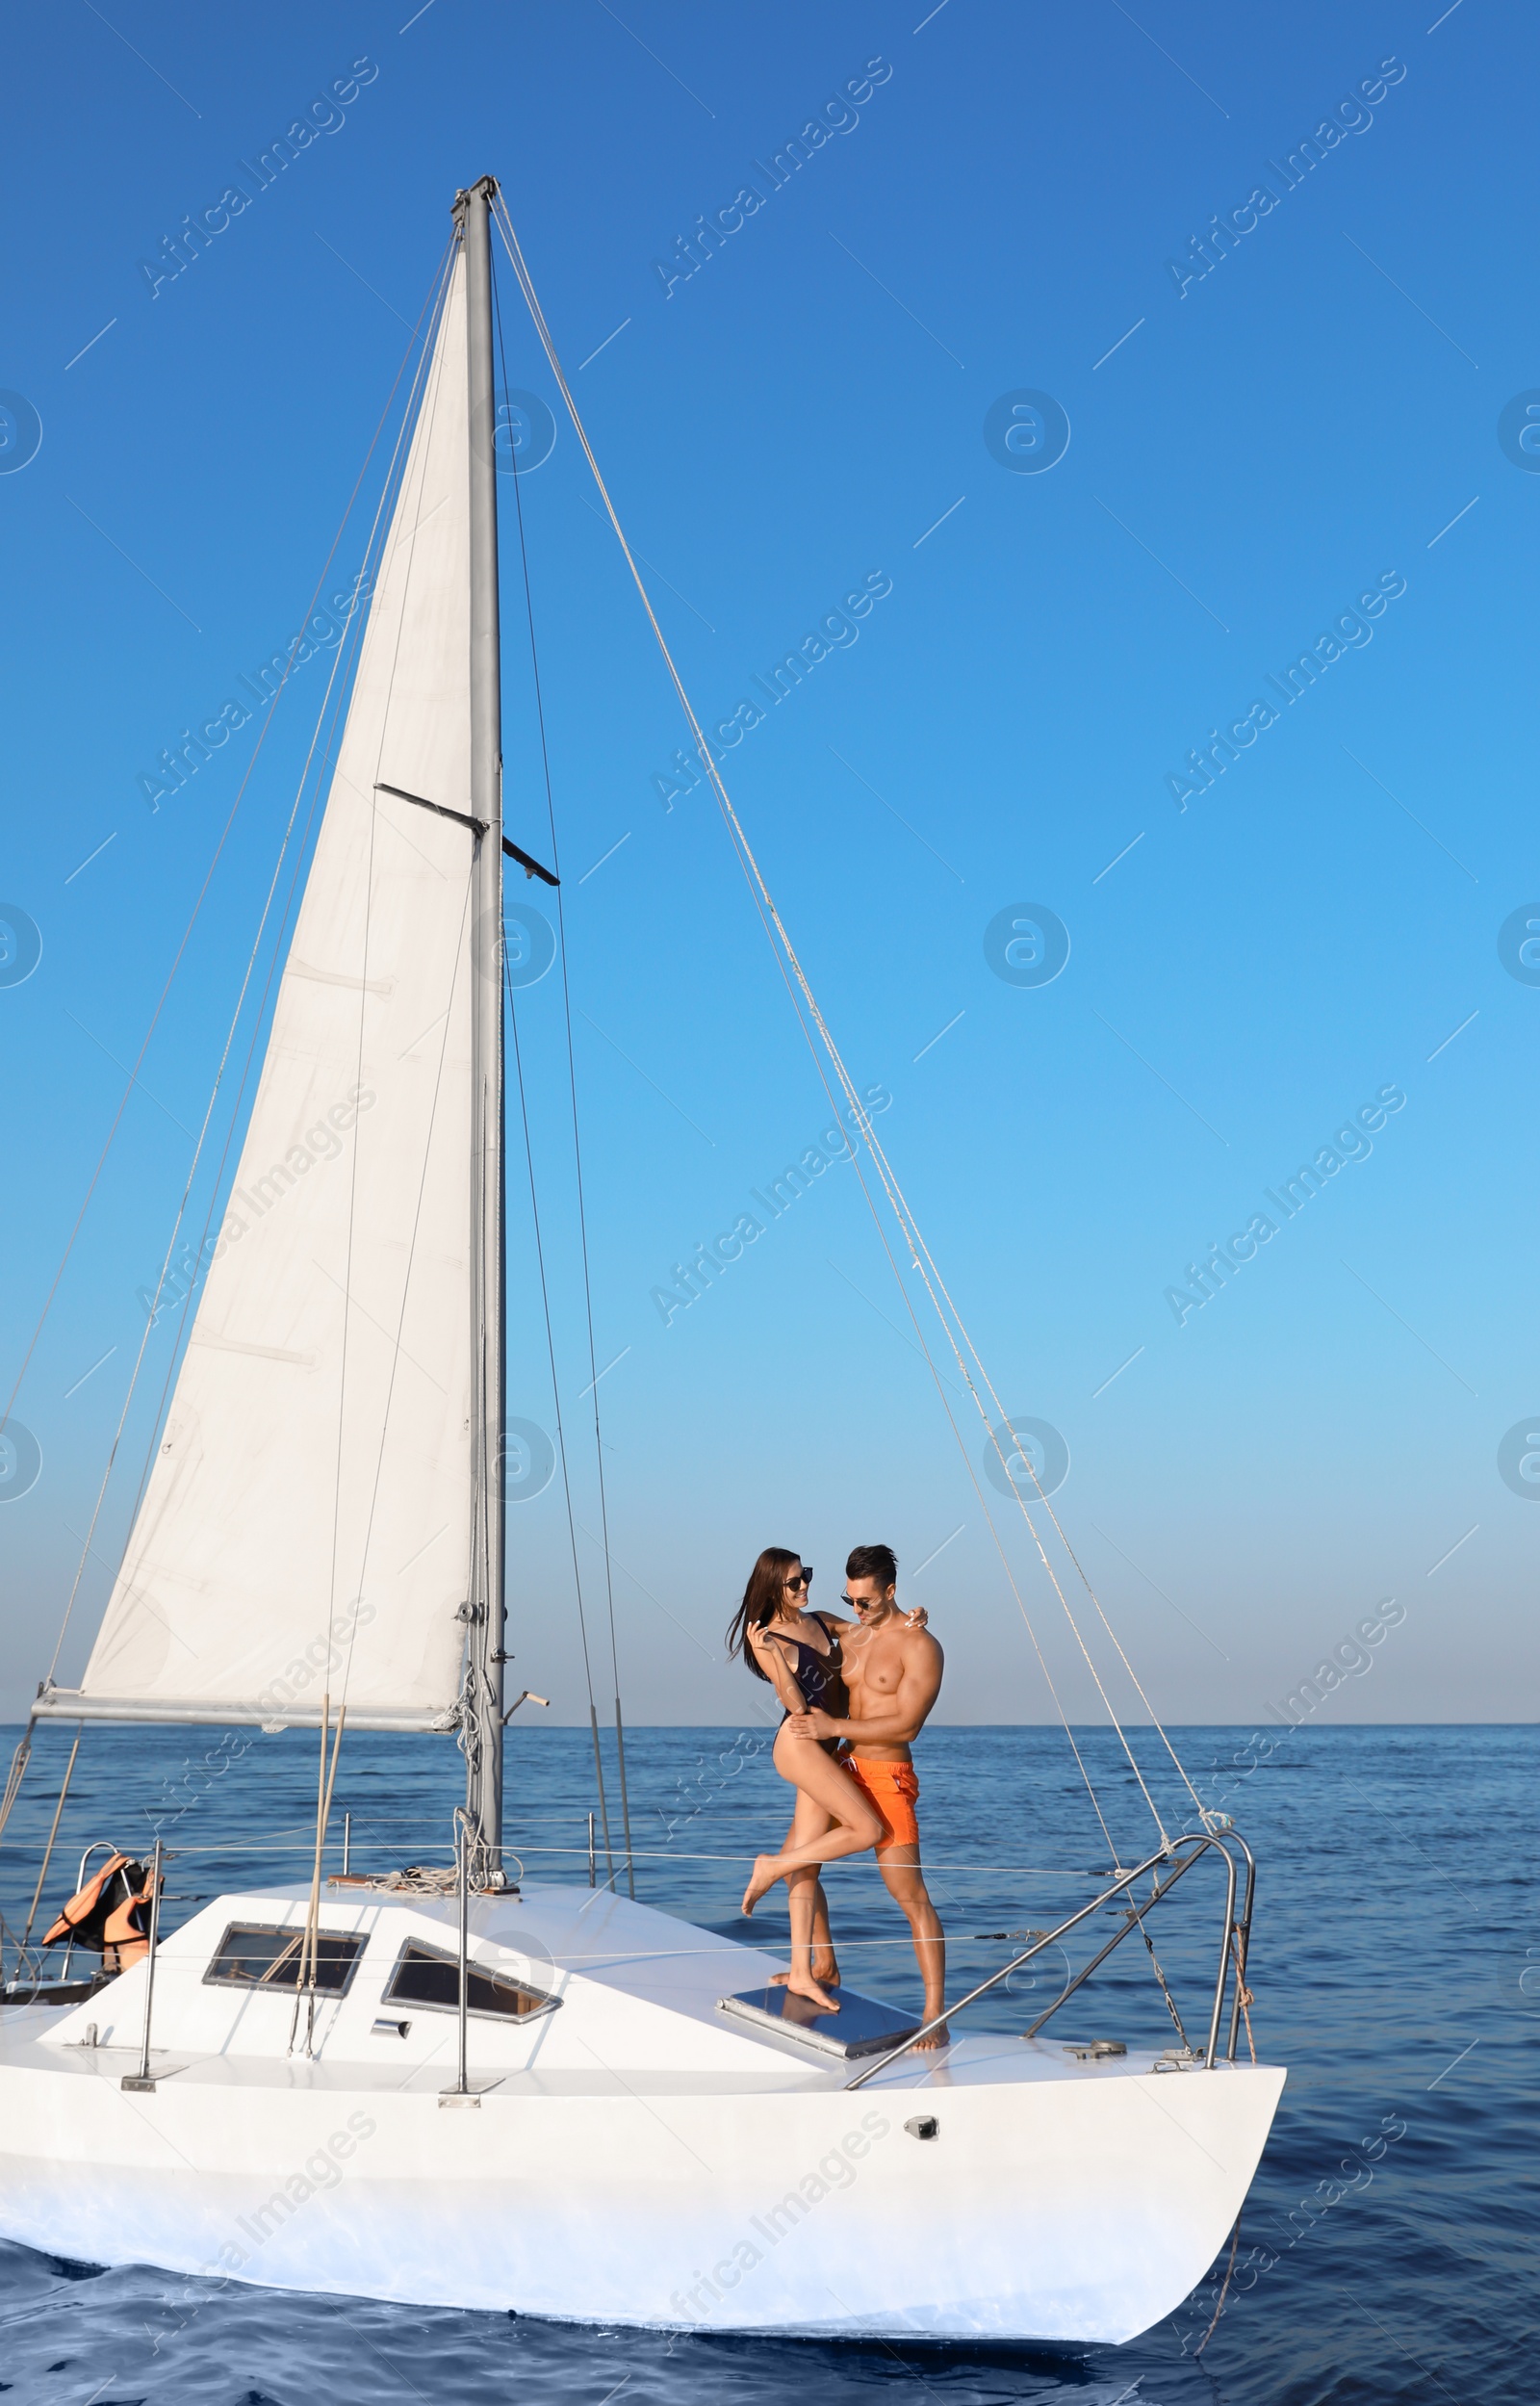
x: 821, y: 1677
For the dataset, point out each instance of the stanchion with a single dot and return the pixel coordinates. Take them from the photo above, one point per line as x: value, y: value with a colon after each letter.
x: 462, y: 2093
x: 141, y: 2080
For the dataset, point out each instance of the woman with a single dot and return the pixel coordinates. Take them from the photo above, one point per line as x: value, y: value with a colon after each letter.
x: 798, y: 1652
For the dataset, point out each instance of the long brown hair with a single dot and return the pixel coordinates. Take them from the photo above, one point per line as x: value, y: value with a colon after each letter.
x: 762, y: 1601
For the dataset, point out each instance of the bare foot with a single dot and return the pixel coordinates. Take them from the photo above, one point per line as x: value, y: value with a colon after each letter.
x: 938, y: 2038
x: 801, y: 1985
x: 825, y: 1972
x: 760, y: 1881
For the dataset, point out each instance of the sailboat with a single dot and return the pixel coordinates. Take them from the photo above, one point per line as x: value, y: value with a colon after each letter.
x: 480, y: 2092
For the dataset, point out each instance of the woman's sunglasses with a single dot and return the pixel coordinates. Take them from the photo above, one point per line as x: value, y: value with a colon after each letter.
x: 804, y: 1579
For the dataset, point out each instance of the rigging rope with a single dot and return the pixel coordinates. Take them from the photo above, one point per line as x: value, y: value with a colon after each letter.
x: 555, y: 1394
x: 309, y: 1967
x: 968, y: 1362
x: 48, y: 1850
x: 577, y: 1145
x: 1225, y: 2290
x: 1244, y: 1994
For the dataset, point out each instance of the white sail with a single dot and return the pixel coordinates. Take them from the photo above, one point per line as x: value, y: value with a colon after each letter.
x: 307, y: 1522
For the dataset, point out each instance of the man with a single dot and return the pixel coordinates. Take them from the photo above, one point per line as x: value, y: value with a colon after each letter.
x: 893, y: 1677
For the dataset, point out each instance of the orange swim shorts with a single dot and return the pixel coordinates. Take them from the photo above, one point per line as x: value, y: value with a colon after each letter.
x: 890, y: 1789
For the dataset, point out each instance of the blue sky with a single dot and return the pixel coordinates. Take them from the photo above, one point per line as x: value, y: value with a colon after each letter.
x: 1252, y: 451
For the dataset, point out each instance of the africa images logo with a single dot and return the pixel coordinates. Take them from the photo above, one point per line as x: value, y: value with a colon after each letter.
x: 1026, y: 945
x: 1027, y: 432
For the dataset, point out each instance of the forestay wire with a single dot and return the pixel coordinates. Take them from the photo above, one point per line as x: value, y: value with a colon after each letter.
x: 969, y: 1363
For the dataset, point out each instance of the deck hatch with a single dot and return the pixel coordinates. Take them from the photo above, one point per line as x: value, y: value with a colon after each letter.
x: 264, y: 1955
x: 426, y: 1975
x: 863, y: 2026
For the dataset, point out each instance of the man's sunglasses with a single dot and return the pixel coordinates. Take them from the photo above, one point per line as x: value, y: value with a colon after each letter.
x: 804, y: 1579
x: 861, y: 1603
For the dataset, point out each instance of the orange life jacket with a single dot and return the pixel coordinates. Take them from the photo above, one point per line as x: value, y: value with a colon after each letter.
x: 109, y: 1914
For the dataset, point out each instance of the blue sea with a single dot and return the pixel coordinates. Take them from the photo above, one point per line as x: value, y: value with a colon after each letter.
x: 1389, y: 2248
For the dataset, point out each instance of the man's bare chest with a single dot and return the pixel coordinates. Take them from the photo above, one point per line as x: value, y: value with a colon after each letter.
x: 874, y: 1669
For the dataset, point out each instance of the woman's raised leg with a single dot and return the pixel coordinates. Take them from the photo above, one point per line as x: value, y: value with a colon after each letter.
x: 854, y: 1826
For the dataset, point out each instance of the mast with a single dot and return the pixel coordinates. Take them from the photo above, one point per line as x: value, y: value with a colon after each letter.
x: 482, y: 1733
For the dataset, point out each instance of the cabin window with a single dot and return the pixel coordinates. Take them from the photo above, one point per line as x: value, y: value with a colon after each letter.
x: 257, y: 1955
x: 424, y: 1976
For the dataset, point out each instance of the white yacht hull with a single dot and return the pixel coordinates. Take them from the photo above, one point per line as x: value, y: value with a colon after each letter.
x: 641, y: 2160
